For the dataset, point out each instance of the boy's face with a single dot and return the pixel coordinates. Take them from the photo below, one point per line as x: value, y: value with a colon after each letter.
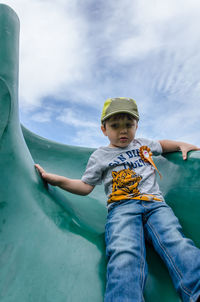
x: 120, y: 130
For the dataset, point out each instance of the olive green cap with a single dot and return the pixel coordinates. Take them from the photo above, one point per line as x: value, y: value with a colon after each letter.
x: 119, y: 105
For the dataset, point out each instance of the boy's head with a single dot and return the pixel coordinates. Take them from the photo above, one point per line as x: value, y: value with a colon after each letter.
x: 119, y: 121
x: 119, y: 105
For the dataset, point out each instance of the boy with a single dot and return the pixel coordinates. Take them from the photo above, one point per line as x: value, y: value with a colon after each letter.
x: 136, y: 207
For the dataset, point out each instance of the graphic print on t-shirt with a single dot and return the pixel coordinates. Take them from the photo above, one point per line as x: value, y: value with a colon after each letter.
x: 125, y: 186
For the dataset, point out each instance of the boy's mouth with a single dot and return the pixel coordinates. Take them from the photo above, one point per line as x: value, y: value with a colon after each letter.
x: 123, y: 138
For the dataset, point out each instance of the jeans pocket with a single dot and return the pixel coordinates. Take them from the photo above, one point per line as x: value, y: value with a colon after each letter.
x: 111, y: 207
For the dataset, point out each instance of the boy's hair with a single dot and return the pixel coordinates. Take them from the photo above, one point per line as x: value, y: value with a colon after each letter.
x: 120, y: 116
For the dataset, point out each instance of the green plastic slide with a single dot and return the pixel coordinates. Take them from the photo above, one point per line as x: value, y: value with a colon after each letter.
x: 52, y: 242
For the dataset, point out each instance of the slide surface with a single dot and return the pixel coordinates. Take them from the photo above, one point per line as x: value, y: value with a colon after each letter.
x: 52, y: 242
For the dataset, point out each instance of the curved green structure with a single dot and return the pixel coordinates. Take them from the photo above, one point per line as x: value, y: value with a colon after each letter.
x: 51, y: 241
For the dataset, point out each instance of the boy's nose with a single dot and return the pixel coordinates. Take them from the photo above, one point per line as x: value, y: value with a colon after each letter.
x: 123, y: 130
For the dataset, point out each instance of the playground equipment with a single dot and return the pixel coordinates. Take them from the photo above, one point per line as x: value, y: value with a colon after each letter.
x: 51, y: 241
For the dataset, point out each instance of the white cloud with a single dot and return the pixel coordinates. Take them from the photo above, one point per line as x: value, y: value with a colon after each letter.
x: 134, y: 47
x: 90, y: 137
x: 42, y: 117
x: 60, y: 46
x: 148, y: 50
x: 52, y: 49
x: 139, y: 27
x: 75, y: 119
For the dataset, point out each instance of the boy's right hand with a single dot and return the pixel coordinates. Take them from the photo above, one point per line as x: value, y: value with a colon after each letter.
x: 76, y: 186
x: 52, y: 179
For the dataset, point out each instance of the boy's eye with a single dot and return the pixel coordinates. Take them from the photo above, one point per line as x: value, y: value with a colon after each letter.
x: 129, y: 125
x: 114, y: 126
x: 117, y: 125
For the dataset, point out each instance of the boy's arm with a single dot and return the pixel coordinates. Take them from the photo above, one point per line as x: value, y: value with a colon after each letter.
x: 172, y: 146
x: 75, y: 186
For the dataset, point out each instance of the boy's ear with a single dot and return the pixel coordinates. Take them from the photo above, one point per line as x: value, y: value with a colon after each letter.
x: 103, y: 129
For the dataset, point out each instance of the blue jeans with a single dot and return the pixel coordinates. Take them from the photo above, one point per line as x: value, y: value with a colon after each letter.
x: 128, y: 224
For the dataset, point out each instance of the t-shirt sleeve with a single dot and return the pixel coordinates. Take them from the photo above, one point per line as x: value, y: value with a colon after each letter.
x: 155, y: 146
x: 93, y: 172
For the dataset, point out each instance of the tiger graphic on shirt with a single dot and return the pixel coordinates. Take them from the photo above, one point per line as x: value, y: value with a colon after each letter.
x: 125, y: 186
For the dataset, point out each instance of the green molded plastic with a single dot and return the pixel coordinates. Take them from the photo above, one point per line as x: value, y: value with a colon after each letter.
x: 52, y: 242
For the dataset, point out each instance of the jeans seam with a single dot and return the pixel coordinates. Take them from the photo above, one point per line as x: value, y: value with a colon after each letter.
x: 142, y: 264
x: 142, y: 258
x: 185, y: 289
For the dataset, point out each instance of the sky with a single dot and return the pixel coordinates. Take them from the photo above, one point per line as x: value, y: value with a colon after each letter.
x: 76, y: 54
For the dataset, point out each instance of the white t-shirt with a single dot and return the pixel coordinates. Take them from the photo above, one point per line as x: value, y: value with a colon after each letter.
x: 124, y: 173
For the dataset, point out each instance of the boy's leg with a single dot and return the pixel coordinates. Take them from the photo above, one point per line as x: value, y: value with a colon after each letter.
x: 125, y: 250
x: 179, y: 253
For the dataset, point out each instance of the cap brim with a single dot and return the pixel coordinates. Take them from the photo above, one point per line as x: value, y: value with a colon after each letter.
x: 120, y: 111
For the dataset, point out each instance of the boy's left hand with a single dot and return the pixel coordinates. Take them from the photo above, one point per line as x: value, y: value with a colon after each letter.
x: 185, y: 148
x: 173, y: 146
